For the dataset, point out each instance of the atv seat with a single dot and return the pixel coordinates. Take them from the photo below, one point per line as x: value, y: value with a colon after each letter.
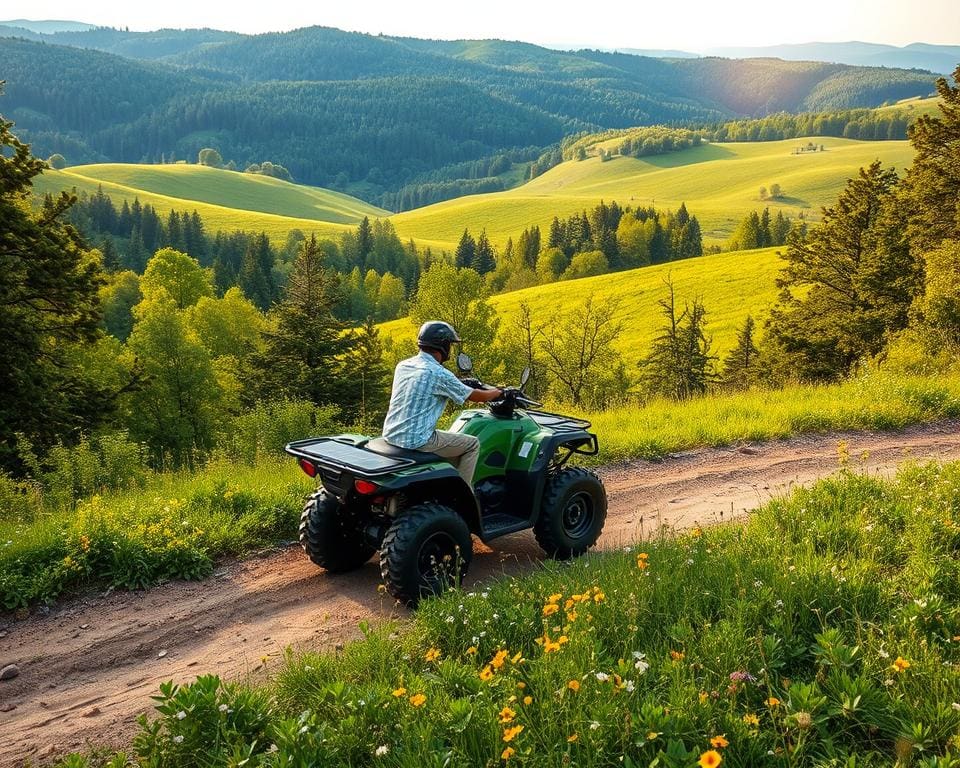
x: 381, y: 446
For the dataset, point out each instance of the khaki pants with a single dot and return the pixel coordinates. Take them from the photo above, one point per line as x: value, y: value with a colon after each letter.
x: 464, y: 450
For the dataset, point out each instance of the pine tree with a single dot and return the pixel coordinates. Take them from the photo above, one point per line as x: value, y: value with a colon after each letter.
x: 932, y: 187
x: 466, y: 251
x: 303, y: 358
x: 483, y: 261
x: 739, y: 367
x: 680, y: 364
x: 364, y: 240
x: 857, y: 277
x: 48, y: 302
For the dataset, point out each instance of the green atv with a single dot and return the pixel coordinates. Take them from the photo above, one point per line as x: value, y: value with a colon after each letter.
x: 417, y: 510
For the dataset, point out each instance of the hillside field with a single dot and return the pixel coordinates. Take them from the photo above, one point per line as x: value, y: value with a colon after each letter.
x: 720, y: 183
x: 226, y: 200
x: 731, y: 285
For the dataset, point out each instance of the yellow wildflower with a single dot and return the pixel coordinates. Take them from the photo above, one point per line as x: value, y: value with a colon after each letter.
x: 677, y: 655
x: 719, y: 741
x: 703, y: 695
x: 507, y: 753
x: 471, y: 650
x: 498, y: 659
x: 85, y: 543
x: 554, y: 598
x: 574, y: 685
x: 900, y: 665
x: 773, y: 701
x: 399, y: 692
x: 432, y: 655
x: 751, y: 719
x: 651, y: 735
x: 486, y: 673
x: 572, y: 738
x: 550, y: 608
x: 509, y: 734
x: 710, y: 759
x: 517, y: 657
x: 528, y: 700
x: 418, y: 699
x: 507, y: 714
x: 599, y: 597
x: 521, y: 685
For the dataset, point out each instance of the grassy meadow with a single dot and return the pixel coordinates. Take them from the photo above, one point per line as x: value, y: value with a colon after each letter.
x: 731, y: 285
x: 720, y: 183
x: 176, y: 525
x: 226, y: 200
x: 823, y: 631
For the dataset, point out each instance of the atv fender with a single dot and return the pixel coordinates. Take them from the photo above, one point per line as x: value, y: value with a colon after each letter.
x: 440, y: 484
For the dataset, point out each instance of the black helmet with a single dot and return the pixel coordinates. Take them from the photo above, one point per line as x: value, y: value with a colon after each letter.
x: 437, y: 335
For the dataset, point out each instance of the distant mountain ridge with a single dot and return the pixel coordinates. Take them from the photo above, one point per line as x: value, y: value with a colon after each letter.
x: 48, y: 27
x: 371, y: 114
x: 942, y: 59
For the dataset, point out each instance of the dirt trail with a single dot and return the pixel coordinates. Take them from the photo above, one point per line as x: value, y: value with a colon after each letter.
x: 88, y: 667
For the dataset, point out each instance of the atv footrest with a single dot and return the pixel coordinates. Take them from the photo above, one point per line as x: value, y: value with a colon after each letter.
x: 500, y: 524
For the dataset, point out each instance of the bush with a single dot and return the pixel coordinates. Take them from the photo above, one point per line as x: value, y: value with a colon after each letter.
x: 264, y: 430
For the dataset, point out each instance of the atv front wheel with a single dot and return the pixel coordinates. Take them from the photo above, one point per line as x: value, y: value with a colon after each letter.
x: 572, y: 513
x: 426, y: 550
x: 331, y: 536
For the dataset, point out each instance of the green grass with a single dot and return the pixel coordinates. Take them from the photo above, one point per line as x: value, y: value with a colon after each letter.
x: 821, y: 632
x: 720, y: 184
x: 731, y: 285
x: 225, y: 200
x: 176, y: 526
x: 179, y: 524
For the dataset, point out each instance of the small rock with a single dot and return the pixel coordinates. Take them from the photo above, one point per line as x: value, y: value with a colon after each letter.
x: 161, y: 654
x: 193, y: 663
x: 47, y: 751
x: 84, y: 626
x: 748, y: 450
x: 92, y: 712
x: 3, y: 633
x: 9, y: 672
x: 338, y: 647
x: 7, y: 707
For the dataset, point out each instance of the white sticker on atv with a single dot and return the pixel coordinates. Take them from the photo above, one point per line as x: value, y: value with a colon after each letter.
x: 525, y: 450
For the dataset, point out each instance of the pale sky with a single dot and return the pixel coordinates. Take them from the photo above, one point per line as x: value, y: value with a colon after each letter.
x: 692, y: 25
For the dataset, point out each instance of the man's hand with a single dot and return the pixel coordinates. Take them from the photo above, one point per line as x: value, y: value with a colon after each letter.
x: 485, y: 395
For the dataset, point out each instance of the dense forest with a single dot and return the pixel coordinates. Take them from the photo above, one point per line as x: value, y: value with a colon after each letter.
x: 399, y: 122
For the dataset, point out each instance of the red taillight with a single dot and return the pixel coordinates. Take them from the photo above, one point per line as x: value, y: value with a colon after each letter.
x: 309, y: 467
x: 365, y: 487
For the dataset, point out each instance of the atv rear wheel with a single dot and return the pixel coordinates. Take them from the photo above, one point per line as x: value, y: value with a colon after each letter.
x: 331, y: 536
x: 427, y: 550
x: 572, y: 513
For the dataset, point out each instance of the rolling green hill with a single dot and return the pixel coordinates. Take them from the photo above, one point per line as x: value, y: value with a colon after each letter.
x: 720, y: 183
x: 226, y: 200
x: 731, y: 285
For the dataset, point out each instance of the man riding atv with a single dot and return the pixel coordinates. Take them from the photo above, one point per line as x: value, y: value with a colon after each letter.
x: 421, y: 388
x: 401, y: 495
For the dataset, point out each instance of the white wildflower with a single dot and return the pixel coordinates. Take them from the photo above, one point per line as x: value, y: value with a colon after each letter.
x: 223, y: 707
x: 602, y: 677
x: 178, y: 739
x: 181, y: 715
x: 382, y: 750
x: 594, y: 725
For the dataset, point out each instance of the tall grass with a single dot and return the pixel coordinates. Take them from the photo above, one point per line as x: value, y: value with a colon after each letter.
x: 825, y: 631
x: 175, y: 525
